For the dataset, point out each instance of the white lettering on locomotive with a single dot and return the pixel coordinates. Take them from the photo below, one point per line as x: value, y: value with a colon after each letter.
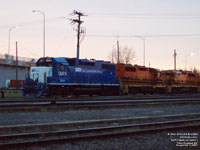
x: 61, y: 80
x: 62, y: 73
x: 87, y: 71
x: 78, y: 70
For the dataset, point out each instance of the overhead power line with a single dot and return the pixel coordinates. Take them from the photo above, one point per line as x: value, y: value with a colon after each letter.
x: 127, y: 36
x: 22, y: 24
x: 27, y: 50
x: 149, y: 15
x: 146, y: 14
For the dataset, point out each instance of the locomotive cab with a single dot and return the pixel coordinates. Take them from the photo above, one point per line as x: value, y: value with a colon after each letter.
x: 40, y: 74
x: 36, y: 78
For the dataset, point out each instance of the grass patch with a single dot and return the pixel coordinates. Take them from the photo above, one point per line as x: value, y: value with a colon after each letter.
x: 12, y: 94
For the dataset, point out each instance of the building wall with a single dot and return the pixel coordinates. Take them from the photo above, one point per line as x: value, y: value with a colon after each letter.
x: 8, y: 68
x: 8, y: 72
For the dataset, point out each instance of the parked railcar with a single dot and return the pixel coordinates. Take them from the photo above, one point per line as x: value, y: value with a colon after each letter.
x: 67, y: 76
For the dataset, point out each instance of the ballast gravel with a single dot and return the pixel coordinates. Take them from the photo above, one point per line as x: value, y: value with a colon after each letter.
x: 17, y: 118
x: 143, y: 141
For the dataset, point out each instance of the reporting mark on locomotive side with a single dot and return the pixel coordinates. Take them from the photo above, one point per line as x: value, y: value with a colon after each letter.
x: 62, y: 73
x: 87, y: 71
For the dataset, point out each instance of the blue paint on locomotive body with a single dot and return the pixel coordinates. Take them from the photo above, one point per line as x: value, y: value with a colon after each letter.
x: 69, y: 71
x: 72, y: 72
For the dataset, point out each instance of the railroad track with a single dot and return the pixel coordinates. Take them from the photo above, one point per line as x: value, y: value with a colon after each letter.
x: 45, y: 134
x: 96, y: 104
x: 94, y: 98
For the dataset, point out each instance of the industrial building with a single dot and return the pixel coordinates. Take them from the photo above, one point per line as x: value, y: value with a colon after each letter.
x: 12, y: 70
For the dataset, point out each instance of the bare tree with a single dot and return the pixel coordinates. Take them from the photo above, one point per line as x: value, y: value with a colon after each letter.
x: 126, y: 55
x: 195, y: 70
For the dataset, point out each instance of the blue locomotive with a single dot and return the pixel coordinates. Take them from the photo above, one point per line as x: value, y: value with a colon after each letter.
x: 71, y: 76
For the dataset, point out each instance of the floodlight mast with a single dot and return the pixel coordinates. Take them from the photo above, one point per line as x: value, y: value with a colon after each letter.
x: 10, y: 29
x: 43, y: 14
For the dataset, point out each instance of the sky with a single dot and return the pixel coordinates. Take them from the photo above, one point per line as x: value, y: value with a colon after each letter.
x: 164, y: 24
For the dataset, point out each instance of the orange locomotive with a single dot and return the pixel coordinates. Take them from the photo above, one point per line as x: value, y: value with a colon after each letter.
x: 181, y: 81
x: 139, y: 79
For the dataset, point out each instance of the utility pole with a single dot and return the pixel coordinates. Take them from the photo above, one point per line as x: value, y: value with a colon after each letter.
x: 79, y: 30
x: 118, y: 51
x: 175, y: 54
x: 16, y: 63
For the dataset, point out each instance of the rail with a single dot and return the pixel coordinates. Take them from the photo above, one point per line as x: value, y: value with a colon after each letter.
x: 42, y: 105
x: 70, y: 135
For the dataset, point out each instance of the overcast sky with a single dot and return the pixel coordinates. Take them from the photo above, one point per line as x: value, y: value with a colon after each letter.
x: 151, y: 19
